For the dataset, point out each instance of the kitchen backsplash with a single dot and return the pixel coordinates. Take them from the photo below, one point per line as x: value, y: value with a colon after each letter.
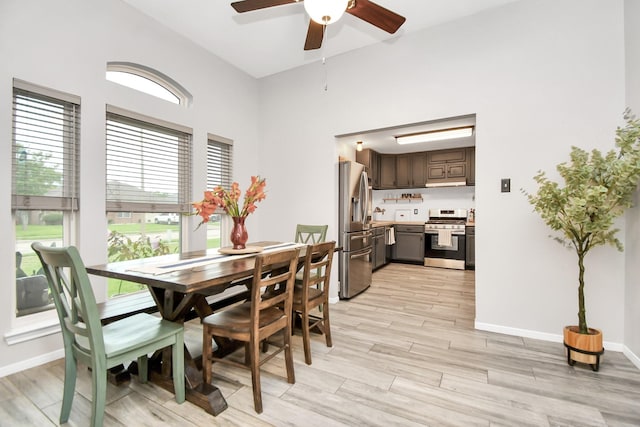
x: 418, y: 210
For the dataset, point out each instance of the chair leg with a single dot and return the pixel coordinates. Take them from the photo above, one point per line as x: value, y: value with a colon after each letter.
x: 207, y: 348
x: 254, y: 349
x: 178, y: 367
x: 288, y: 355
x: 306, y: 339
x: 143, y: 369
x: 98, y: 395
x: 327, y: 325
x: 70, y: 374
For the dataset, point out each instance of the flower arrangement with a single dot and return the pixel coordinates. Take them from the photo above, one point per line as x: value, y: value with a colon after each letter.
x: 228, y: 200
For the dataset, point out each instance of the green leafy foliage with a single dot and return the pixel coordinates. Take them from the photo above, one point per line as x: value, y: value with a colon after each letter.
x: 34, y: 174
x: 597, y: 189
x: 122, y: 248
x: 52, y: 218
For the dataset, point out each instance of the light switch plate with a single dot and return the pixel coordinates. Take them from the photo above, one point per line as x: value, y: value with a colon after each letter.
x: 505, y: 185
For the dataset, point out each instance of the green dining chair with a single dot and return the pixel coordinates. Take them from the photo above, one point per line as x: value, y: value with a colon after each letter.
x: 311, y: 234
x: 102, y: 347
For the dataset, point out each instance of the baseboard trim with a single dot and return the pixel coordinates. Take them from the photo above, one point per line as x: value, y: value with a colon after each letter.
x: 544, y: 336
x: 631, y: 356
x: 31, y: 363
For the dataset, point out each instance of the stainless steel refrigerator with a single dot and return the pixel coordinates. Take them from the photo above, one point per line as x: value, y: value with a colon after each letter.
x: 354, y: 234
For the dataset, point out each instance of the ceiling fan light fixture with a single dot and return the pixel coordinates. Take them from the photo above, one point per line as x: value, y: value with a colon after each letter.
x: 435, y: 135
x: 325, y: 12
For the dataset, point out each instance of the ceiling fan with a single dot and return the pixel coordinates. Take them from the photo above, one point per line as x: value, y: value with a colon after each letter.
x: 324, y: 12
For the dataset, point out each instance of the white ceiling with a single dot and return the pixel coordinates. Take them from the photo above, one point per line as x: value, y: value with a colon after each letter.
x: 271, y: 40
x: 383, y: 140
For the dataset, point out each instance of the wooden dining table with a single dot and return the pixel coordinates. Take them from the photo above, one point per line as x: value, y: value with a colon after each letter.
x: 180, y: 285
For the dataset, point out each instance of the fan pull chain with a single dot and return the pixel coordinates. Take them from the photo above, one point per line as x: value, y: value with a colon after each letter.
x: 324, y: 65
x: 324, y: 60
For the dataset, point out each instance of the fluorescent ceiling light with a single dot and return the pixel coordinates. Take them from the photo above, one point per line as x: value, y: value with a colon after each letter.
x: 435, y: 135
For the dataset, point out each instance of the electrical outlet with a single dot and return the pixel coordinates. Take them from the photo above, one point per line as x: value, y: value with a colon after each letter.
x: 505, y: 185
x: 415, y: 211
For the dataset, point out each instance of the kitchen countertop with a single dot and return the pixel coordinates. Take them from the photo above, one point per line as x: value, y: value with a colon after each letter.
x: 388, y: 223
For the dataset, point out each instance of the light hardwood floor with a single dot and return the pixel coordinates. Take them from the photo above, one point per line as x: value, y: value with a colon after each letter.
x: 405, y: 354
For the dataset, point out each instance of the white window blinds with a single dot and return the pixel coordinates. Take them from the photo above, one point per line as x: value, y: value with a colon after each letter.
x: 219, y: 160
x: 148, y: 166
x: 45, y: 148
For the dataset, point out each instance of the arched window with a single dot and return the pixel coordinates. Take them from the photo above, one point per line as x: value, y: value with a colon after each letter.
x: 147, y: 80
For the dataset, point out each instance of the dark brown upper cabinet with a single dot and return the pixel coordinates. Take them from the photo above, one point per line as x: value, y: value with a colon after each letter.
x: 471, y: 161
x: 371, y: 161
x: 410, y: 170
x: 414, y: 170
x: 446, y: 166
x: 388, y: 171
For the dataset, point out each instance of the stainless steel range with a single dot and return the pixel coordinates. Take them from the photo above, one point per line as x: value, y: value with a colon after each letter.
x: 445, y: 238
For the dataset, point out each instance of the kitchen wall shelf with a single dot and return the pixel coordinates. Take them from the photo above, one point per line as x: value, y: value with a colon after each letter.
x: 403, y: 200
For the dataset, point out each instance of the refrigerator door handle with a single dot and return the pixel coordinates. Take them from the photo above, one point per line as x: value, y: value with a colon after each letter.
x: 364, y: 195
x: 362, y: 235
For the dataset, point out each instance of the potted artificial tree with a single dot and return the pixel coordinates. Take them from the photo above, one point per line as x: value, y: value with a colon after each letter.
x: 597, y: 189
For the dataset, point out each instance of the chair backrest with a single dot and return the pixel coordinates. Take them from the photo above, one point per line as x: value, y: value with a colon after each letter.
x: 73, y: 298
x: 317, y: 268
x: 273, y: 280
x: 310, y: 234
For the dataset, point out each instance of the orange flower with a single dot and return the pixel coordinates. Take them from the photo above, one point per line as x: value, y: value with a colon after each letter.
x: 228, y: 200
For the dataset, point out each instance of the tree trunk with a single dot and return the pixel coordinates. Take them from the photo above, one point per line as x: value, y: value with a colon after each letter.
x: 582, y: 316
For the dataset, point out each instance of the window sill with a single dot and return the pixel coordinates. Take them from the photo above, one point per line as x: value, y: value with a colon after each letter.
x: 32, y: 332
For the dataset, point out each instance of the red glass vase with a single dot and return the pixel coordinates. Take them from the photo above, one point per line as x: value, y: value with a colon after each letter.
x: 239, y: 234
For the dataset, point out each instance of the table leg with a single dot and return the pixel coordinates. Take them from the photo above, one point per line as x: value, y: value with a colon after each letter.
x: 175, y: 308
x: 206, y: 396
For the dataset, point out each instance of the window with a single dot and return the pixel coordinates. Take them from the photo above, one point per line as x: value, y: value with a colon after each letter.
x: 219, y: 161
x: 147, y: 80
x: 45, y: 185
x: 148, y: 164
x: 148, y: 174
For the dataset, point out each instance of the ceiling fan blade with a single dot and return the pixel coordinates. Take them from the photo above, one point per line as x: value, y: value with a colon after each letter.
x: 377, y: 15
x: 249, y: 5
x: 315, y: 33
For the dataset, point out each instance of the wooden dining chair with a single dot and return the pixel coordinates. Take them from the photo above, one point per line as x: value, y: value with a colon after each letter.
x: 101, y: 348
x: 314, y: 293
x: 266, y: 313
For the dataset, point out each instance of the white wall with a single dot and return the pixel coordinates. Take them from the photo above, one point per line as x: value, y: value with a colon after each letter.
x: 65, y: 45
x: 632, y: 250
x: 540, y: 75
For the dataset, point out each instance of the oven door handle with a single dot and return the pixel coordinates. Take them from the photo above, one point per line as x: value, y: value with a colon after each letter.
x: 453, y: 233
